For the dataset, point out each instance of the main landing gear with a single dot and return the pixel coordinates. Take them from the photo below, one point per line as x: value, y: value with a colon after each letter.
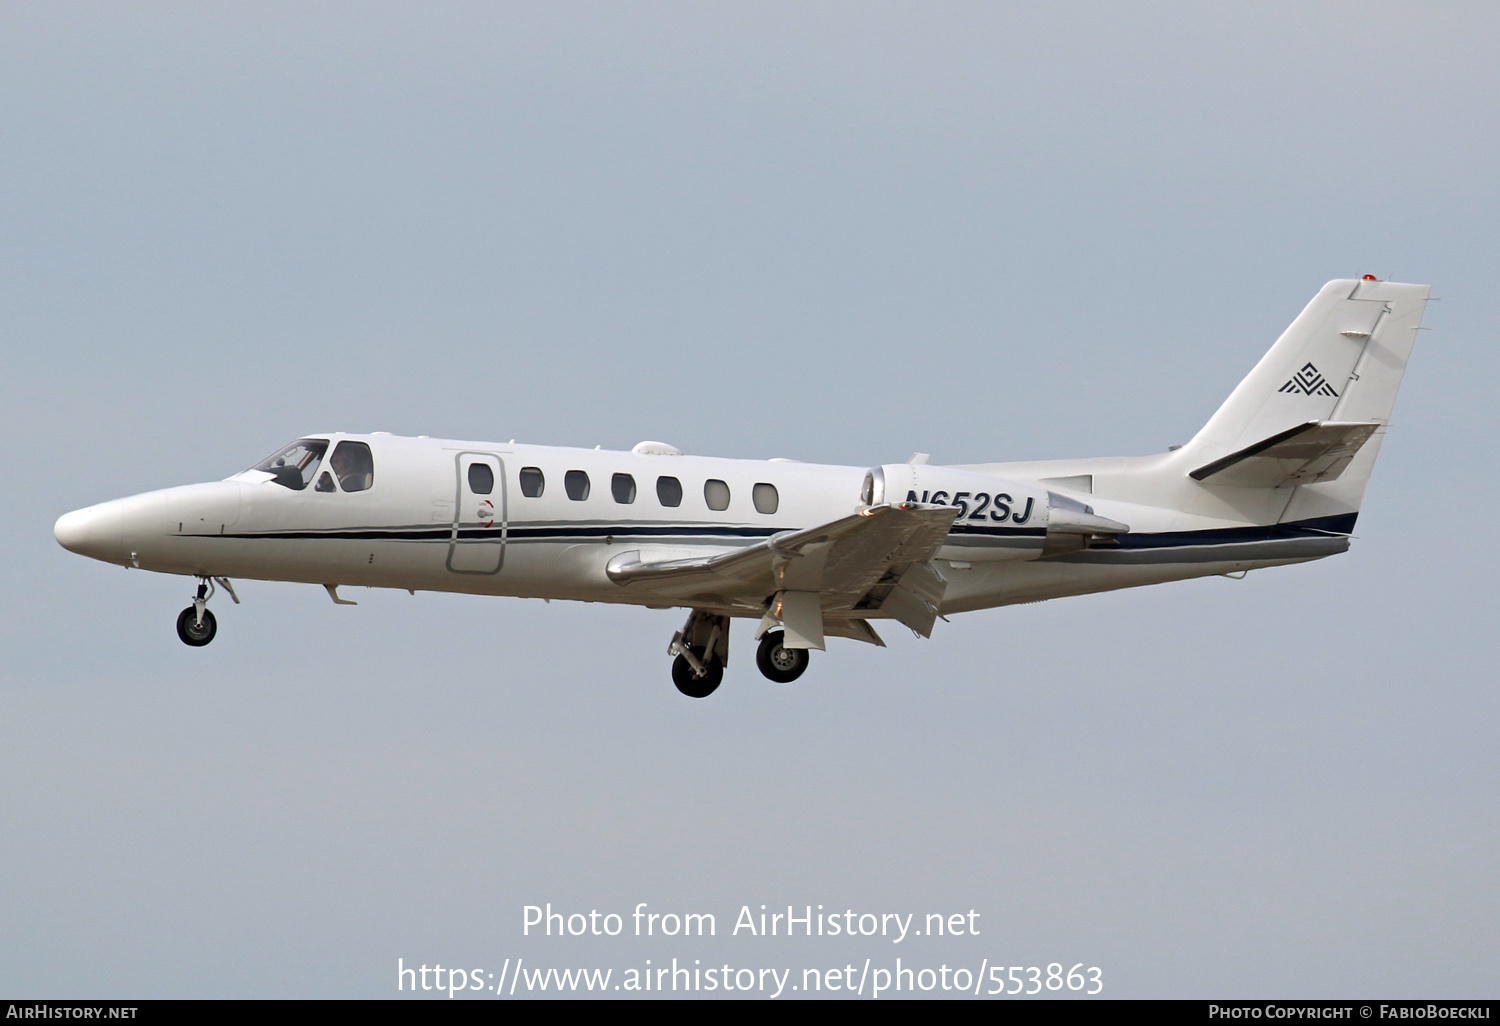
x: 701, y: 649
x: 196, y: 625
x: 777, y: 663
x: 700, y: 681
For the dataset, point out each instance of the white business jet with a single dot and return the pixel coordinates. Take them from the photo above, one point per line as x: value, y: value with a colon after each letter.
x: 808, y: 551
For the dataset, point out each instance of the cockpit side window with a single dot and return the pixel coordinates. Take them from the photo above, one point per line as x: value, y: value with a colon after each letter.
x: 294, y: 466
x: 353, y: 465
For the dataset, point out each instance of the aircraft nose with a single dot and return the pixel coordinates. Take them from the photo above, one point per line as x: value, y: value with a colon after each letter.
x: 94, y: 531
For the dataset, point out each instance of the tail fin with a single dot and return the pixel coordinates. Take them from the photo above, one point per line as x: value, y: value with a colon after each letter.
x: 1322, y: 395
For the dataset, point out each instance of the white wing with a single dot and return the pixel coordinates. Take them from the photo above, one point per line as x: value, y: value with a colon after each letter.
x: 871, y: 563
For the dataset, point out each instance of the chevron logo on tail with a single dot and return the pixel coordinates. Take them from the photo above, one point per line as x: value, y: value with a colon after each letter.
x: 1309, y: 381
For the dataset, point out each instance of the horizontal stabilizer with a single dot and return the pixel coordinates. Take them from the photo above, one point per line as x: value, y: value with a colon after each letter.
x: 1310, y: 452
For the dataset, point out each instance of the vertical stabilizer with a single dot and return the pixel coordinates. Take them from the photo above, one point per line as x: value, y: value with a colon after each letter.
x: 1340, y: 361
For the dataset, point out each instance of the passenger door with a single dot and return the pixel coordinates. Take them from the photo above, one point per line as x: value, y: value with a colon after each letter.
x: 477, y: 545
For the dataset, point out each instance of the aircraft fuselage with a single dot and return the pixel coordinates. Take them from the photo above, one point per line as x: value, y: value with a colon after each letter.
x: 1276, y: 476
x: 421, y: 525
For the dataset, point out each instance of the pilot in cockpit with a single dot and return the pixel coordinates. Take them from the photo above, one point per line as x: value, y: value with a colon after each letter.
x: 352, y: 465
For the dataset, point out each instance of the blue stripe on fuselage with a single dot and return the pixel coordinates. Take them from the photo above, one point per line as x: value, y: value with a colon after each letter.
x: 1318, y: 527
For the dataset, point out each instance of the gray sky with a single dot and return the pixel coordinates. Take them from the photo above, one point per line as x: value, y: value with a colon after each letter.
x: 835, y: 232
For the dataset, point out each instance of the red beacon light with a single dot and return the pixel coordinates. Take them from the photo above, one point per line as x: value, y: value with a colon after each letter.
x: 1370, y: 277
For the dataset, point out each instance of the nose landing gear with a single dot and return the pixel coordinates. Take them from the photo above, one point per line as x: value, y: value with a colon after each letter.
x: 196, y: 625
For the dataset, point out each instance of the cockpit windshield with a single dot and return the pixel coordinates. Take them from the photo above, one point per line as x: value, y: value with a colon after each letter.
x: 294, y: 466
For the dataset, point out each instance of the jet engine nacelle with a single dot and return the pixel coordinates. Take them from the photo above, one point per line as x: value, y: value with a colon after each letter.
x: 980, y: 498
x: 998, y: 519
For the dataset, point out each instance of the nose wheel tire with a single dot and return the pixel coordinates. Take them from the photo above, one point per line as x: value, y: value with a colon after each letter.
x: 693, y: 686
x: 194, y: 633
x: 777, y: 663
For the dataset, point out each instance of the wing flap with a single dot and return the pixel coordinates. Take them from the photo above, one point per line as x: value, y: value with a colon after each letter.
x: 891, y: 538
x: 848, y: 627
x: 916, y: 598
x: 866, y: 561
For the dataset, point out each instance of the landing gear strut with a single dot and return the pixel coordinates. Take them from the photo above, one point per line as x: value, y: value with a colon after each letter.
x: 687, y: 680
x: 702, y: 649
x: 196, y: 626
x: 778, y: 663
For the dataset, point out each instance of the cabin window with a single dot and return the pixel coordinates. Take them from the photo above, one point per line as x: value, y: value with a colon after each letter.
x: 576, y: 484
x: 765, y: 497
x: 623, y: 487
x: 353, y: 465
x: 481, y: 478
x: 325, y: 482
x: 294, y: 466
x: 669, y: 491
x: 532, y: 482
x: 716, y: 494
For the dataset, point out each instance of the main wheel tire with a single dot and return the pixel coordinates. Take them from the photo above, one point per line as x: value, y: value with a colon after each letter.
x: 778, y: 663
x: 192, y: 632
x: 694, y: 686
